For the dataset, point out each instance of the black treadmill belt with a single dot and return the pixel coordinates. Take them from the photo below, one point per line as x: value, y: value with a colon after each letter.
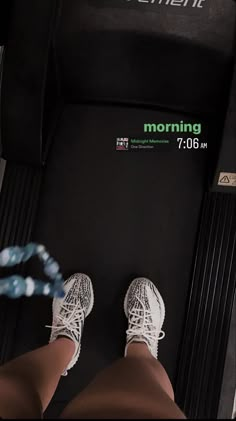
x: 115, y: 215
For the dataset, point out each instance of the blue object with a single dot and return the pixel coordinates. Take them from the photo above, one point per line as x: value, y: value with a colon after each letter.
x: 15, y: 286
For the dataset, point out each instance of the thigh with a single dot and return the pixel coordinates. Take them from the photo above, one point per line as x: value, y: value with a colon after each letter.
x: 17, y: 400
x: 127, y: 389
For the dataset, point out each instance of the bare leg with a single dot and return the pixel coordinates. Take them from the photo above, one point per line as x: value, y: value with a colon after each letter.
x: 139, y: 350
x: 28, y: 382
x: 134, y: 387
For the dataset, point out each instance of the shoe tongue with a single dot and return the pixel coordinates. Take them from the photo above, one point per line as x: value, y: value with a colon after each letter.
x: 139, y: 338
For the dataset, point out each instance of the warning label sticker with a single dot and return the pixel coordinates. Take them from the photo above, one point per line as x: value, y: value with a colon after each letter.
x: 227, y: 179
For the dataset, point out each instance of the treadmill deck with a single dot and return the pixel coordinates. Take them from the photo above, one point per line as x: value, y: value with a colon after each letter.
x: 115, y: 215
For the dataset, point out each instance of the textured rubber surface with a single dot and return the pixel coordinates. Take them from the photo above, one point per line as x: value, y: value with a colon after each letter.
x: 209, y: 309
x: 115, y: 216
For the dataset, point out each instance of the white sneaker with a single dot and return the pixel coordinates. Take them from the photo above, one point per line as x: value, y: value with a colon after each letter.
x: 145, y: 310
x: 70, y: 312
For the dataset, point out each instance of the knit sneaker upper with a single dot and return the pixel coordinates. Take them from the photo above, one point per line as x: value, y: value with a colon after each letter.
x: 145, y: 310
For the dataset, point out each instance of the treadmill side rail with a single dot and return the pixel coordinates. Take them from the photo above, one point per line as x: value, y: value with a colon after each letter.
x: 203, y: 351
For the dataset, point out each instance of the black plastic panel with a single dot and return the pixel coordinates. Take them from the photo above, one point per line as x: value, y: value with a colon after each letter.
x: 136, y: 55
x: 225, y: 176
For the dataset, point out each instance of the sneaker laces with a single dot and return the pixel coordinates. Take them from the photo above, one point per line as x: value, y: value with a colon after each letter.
x: 70, y: 319
x: 143, y: 329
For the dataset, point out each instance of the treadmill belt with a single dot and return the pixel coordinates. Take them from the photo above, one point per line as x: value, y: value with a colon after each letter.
x: 115, y: 215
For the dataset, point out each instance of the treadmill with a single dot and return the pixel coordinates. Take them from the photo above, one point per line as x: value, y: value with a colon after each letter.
x: 77, y: 78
